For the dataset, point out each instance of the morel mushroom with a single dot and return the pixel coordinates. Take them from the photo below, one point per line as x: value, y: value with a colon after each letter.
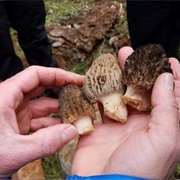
x: 103, y: 84
x: 141, y: 69
x: 75, y: 109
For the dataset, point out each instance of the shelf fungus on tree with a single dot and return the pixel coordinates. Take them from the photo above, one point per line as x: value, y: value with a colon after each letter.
x: 141, y: 69
x: 75, y: 109
x: 103, y: 84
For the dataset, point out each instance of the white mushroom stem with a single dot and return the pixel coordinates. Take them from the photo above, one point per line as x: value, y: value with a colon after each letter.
x: 114, y: 107
x: 137, y: 98
x: 84, y: 125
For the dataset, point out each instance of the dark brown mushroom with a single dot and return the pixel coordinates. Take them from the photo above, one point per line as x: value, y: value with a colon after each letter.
x: 75, y: 109
x: 141, y: 69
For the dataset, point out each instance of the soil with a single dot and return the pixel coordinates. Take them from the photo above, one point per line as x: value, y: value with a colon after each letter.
x: 76, y: 39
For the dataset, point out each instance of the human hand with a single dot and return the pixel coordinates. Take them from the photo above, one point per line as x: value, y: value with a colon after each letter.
x: 146, y: 146
x: 19, y: 116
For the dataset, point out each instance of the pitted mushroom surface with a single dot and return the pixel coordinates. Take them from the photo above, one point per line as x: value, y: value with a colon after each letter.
x: 141, y: 69
x: 75, y: 109
x: 103, y: 83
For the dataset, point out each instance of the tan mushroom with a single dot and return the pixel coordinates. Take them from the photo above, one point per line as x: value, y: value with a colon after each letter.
x: 103, y: 84
x: 75, y: 109
x: 141, y: 69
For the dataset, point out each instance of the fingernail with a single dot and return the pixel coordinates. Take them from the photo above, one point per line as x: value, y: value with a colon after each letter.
x: 169, y: 81
x: 69, y: 133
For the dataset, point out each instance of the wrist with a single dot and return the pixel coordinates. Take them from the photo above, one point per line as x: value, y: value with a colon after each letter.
x: 105, y: 177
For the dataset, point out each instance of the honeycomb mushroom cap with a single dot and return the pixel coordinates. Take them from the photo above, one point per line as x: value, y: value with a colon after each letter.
x: 73, y: 105
x: 103, y: 77
x: 144, y: 65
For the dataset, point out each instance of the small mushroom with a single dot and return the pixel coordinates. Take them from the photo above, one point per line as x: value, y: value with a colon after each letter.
x: 75, y: 109
x: 141, y: 69
x: 103, y: 84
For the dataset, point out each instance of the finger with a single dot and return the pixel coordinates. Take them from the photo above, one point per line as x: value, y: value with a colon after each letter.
x: 43, y: 106
x: 36, y: 92
x: 43, y: 122
x: 35, y: 76
x: 177, y: 90
x: 165, y: 108
x: 175, y: 66
x: 123, y: 54
x: 42, y: 143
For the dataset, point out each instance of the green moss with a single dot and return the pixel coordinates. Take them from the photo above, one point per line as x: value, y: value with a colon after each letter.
x: 52, y: 168
x: 17, y: 47
x: 63, y: 9
x: 78, y: 68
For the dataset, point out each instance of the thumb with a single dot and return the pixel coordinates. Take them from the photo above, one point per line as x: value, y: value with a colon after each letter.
x: 44, y: 142
x: 165, y: 108
x: 123, y: 53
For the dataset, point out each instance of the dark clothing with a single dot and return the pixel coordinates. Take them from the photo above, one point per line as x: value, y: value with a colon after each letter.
x: 155, y: 22
x: 28, y: 19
